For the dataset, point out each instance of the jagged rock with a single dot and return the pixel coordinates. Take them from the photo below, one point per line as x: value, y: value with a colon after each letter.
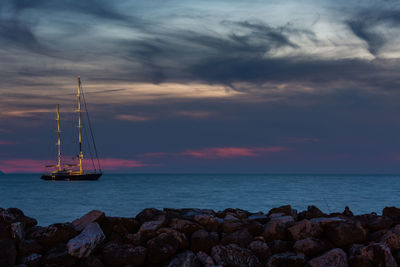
x: 231, y: 224
x: 26, y: 247
x: 90, y: 217
x: 17, y: 231
x: 91, y: 261
x: 392, y: 238
x: 19, y: 216
x: 53, y: 234
x: 333, y: 258
x: 87, y: 241
x: 303, y: 229
x: 8, y: 253
x: 260, y: 249
x: 259, y: 217
x: 286, y: 209
x: 115, y: 254
x: 161, y: 248
x: 241, y: 238
x: 393, y: 213
x: 210, y: 223
x: 180, y: 237
x: 344, y: 233
x: 274, y: 230
x: 379, y: 254
x: 147, y: 231
x: 185, y: 259
x: 233, y: 255
x: 205, y: 259
x: 287, y: 259
x: 373, y: 222
x: 31, y: 260
x: 202, y: 240
x: 115, y: 228
x: 185, y: 226
x: 310, y: 213
x: 310, y: 246
x: 60, y: 257
x: 150, y: 214
x: 280, y: 246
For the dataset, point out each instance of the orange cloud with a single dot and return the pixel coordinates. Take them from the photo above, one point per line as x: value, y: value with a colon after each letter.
x: 125, y: 117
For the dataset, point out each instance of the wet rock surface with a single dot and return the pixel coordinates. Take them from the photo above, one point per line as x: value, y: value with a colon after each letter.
x: 199, y: 237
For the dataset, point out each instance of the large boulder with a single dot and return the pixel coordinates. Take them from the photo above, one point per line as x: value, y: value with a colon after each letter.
x: 231, y: 224
x: 392, y: 238
x: 87, y: 241
x: 373, y: 222
x: 242, y: 238
x: 275, y: 230
x: 255, y: 228
x: 202, y: 240
x: 303, y: 229
x: 59, y: 256
x: 149, y: 214
x: 27, y: 247
x: 180, y: 237
x: 115, y: 254
x: 185, y: 259
x: 209, y: 222
x: 161, y: 248
x: 19, y: 216
x: 233, y: 255
x: 90, y: 217
x: 115, y: 228
x: 333, y: 258
x: 287, y: 259
x: 379, y: 254
x: 393, y: 213
x: 259, y: 217
x: 53, y: 234
x: 310, y: 246
x: 342, y: 234
x: 205, y: 259
x: 286, y: 210
x: 8, y: 253
x: 185, y: 226
x: 260, y: 249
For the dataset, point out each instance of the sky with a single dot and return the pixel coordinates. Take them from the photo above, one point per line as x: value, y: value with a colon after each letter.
x: 204, y: 86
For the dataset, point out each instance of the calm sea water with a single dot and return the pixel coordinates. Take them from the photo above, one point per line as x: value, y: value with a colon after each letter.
x: 128, y: 194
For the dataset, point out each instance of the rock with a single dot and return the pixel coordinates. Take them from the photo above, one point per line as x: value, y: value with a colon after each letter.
x: 26, y: 247
x: 392, y: 238
x: 147, y: 231
x: 60, y: 257
x: 238, y: 213
x: 149, y: 215
x: 342, y: 234
x: 209, y: 222
x: 91, y: 261
x: 393, y: 213
x: 231, y: 224
x: 87, y: 241
x: 17, y: 231
x: 115, y: 254
x: 274, y: 230
x: 310, y: 246
x: 303, y: 229
x: 53, y: 234
x: 333, y: 258
x: 347, y: 212
x: 359, y: 261
x: 374, y: 222
x: 33, y: 259
x: 260, y: 249
x: 185, y: 259
x: 233, y: 255
x: 161, y: 248
x: 205, y: 259
x: 310, y: 213
x: 180, y: 237
x: 280, y: 246
x: 202, y: 240
x: 255, y: 228
x: 8, y: 253
x: 379, y: 255
x: 322, y: 221
x: 287, y: 259
x: 185, y: 226
x: 259, y: 217
x: 242, y: 238
x: 115, y: 228
x: 286, y: 210
x: 19, y: 216
x: 283, y: 219
x: 90, y: 217
x: 151, y: 226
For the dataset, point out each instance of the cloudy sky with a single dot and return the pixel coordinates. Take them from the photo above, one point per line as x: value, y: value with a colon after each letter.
x: 204, y: 86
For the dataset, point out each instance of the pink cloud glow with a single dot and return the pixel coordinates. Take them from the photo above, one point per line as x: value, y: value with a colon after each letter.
x: 31, y: 165
x: 230, y: 152
x: 7, y: 142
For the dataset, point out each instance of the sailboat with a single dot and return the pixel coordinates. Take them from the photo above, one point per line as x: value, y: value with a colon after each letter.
x: 70, y: 172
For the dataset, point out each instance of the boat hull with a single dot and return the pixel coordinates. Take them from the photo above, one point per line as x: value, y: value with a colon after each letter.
x: 71, y: 177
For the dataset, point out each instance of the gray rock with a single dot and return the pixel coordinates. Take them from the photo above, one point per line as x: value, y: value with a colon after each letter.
x: 87, y: 241
x: 333, y: 258
x: 92, y: 216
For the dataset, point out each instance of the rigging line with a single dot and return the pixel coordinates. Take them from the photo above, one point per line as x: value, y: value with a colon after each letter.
x: 91, y: 132
x: 90, y: 148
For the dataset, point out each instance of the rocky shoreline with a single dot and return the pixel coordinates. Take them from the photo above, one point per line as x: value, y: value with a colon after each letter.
x: 199, y: 237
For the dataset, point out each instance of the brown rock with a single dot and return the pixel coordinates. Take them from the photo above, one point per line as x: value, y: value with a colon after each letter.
x: 92, y: 216
x: 287, y: 259
x: 393, y: 213
x: 254, y: 227
x: 8, y: 253
x: 53, y: 234
x: 115, y: 254
x: 60, y: 257
x: 392, y: 238
x: 115, y: 228
x: 185, y: 226
x: 286, y: 210
x: 161, y: 248
x: 202, y: 240
x: 242, y: 238
x: 260, y: 249
x: 19, y: 216
x: 359, y: 261
x: 149, y: 215
x: 275, y: 230
x: 303, y: 229
x: 233, y: 255
x: 333, y: 258
x: 209, y: 222
x: 259, y: 217
x: 231, y: 224
x: 344, y: 233
x: 379, y: 254
x: 374, y: 222
x: 310, y: 246
x: 185, y: 259
x: 311, y: 212
x: 180, y: 237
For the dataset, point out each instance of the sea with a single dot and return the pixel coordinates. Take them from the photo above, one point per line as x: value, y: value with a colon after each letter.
x: 127, y: 194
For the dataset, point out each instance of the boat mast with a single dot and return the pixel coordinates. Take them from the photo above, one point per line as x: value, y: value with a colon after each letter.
x: 58, y: 138
x: 80, y: 156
